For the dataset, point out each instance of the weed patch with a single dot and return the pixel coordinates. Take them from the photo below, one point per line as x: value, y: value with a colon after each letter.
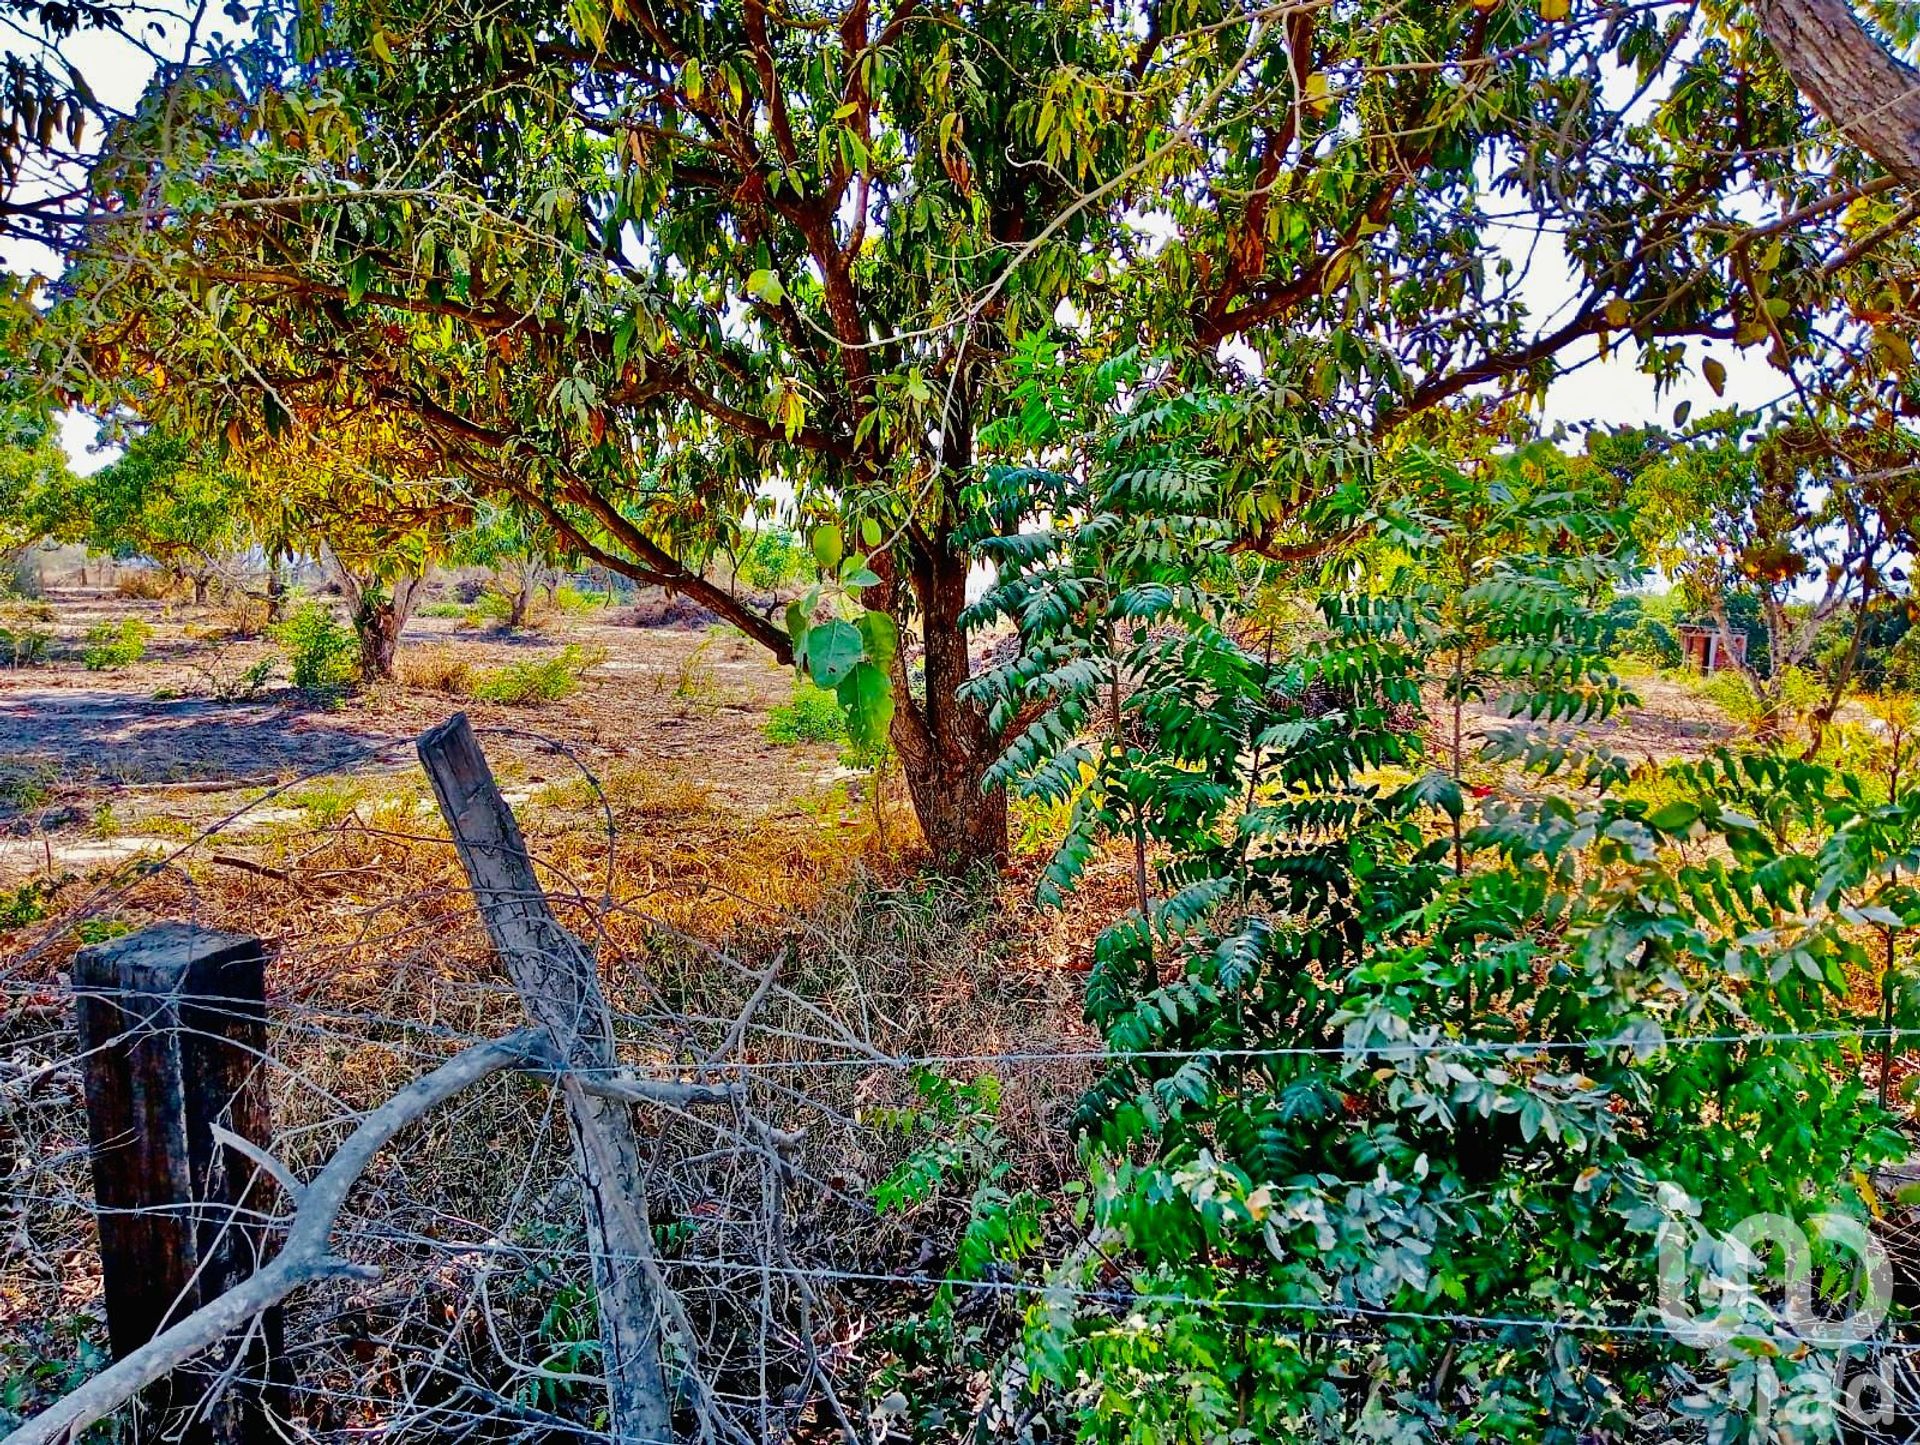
x: 813, y: 716
x: 109, y: 645
x: 521, y: 684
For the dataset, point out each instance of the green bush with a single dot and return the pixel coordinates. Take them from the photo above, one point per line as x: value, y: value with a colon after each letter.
x: 109, y: 645
x: 575, y: 601
x: 23, y: 645
x: 814, y: 716
x: 489, y: 609
x: 1800, y: 691
x: 546, y: 680
x: 322, y: 655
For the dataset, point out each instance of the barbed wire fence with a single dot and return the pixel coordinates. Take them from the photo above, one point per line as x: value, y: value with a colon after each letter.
x: 433, y: 1184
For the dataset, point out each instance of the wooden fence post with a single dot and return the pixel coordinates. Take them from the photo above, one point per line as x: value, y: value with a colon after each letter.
x: 172, y: 1026
x: 559, y: 984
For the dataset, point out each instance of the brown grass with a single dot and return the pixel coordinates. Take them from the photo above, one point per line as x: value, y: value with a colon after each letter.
x: 434, y: 668
x: 381, y: 968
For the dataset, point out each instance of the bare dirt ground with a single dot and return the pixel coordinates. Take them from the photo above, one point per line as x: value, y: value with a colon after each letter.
x: 100, y: 764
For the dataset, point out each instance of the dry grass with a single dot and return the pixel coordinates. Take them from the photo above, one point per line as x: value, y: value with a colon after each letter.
x: 381, y: 968
x: 144, y: 584
x: 434, y: 668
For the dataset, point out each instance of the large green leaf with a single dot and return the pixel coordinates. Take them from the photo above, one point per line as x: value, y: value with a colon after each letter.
x: 832, y: 650
x: 867, y: 696
x: 882, y: 638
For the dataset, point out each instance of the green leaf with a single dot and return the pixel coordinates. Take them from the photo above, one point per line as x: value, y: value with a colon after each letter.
x: 833, y: 649
x: 763, y: 285
x: 827, y: 547
x: 869, y: 532
x: 855, y: 572
x: 881, y: 636
x: 867, y: 695
x: 1674, y: 817
x: 798, y: 625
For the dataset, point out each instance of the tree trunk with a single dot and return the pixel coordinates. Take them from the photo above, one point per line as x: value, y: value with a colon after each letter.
x: 517, y: 603
x: 943, y: 740
x: 1850, y: 78
x: 961, y: 824
x: 199, y: 591
x: 376, y: 624
x: 276, y: 588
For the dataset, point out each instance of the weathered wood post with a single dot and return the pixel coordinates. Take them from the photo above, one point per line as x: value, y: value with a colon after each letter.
x: 559, y: 984
x: 172, y: 1025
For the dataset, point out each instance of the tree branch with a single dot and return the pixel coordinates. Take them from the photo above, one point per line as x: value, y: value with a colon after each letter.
x: 307, y: 1256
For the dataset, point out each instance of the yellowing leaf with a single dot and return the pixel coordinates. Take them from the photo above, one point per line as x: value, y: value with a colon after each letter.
x: 1618, y: 312
x: 1716, y: 375
x: 1555, y: 9
x: 1867, y: 1193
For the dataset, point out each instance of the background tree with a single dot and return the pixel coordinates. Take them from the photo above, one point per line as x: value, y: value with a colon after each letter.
x: 171, y: 501
x: 35, y: 483
x: 522, y: 556
x: 632, y: 268
x: 1811, y: 518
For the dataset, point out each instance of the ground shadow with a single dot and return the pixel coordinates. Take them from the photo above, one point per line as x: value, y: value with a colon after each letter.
x: 84, y: 734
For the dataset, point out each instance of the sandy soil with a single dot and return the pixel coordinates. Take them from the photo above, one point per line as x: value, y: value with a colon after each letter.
x: 96, y: 766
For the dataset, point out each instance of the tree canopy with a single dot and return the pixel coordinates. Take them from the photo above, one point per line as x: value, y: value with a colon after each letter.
x: 633, y: 266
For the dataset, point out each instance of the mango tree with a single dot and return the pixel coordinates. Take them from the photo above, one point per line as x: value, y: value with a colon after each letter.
x: 638, y: 266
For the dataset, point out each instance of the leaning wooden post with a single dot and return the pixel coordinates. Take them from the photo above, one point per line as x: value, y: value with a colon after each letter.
x: 559, y: 984
x: 173, y: 1032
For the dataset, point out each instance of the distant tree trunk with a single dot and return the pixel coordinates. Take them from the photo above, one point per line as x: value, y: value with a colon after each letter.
x: 1854, y: 81
x: 276, y: 587
x: 200, y: 584
x: 377, y: 624
x: 379, y: 615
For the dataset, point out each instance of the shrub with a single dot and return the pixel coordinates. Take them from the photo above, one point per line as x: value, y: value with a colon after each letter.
x: 143, y: 584
x: 576, y: 601
x: 111, y: 645
x: 489, y: 609
x: 440, y: 609
x: 23, y: 641
x: 1651, y: 639
x: 322, y: 655
x: 546, y: 680
x: 239, y: 615
x: 436, y: 669
x: 22, y: 577
x: 1800, y: 691
x: 25, y: 904
x: 813, y: 716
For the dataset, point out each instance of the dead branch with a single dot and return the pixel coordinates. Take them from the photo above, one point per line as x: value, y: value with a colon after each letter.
x: 307, y: 1257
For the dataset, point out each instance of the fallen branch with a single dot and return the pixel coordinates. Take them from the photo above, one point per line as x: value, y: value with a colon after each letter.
x: 307, y: 1256
x: 247, y: 865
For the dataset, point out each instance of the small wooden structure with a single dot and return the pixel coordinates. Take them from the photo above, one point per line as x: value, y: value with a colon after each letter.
x: 1704, y: 649
x: 173, y: 1029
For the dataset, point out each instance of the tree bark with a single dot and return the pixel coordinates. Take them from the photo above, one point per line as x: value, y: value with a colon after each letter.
x: 379, y: 620
x: 943, y: 740
x: 376, y: 624
x: 1850, y: 78
x: 276, y: 588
